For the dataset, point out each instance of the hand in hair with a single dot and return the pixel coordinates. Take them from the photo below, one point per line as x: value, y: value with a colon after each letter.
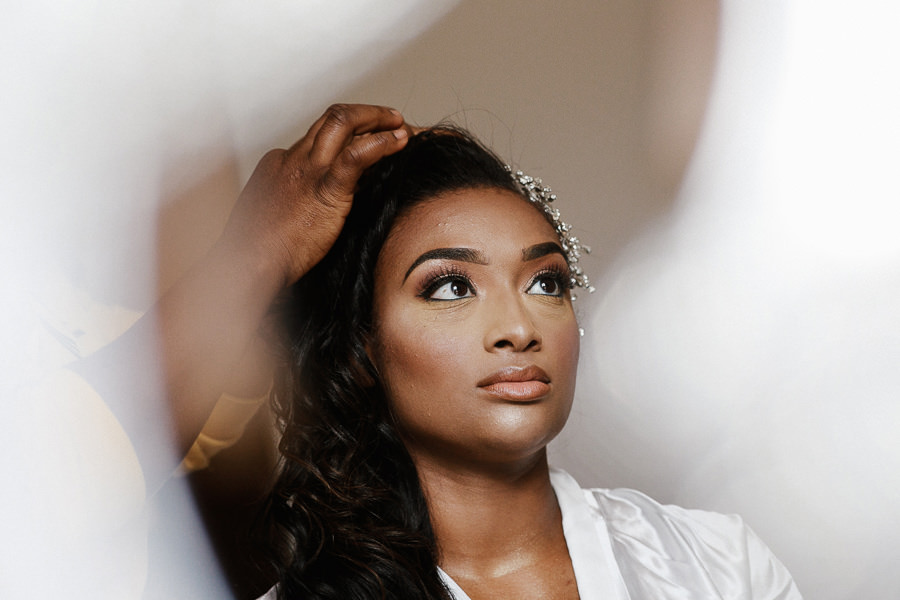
x: 294, y: 206
x: 195, y: 338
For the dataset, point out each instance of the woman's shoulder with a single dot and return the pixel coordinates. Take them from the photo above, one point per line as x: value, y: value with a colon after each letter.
x: 657, y: 546
x: 629, y: 511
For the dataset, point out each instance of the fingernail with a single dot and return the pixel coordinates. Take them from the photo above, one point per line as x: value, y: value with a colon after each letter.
x: 400, y: 133
x: 395, y: 111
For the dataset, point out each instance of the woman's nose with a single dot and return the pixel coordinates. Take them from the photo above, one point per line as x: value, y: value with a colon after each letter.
x: 511, y: 327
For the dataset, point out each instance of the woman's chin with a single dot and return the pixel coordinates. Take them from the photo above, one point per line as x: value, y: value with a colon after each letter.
x: 507, y: 442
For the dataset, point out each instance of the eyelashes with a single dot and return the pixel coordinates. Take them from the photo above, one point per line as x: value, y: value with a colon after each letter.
x: 449, y: 282
x: 551, y: 281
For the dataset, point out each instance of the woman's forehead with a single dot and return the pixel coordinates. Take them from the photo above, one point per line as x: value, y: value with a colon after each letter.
x: 469, y: 218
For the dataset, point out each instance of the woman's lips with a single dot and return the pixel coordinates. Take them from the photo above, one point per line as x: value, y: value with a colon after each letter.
x: 520, y: 384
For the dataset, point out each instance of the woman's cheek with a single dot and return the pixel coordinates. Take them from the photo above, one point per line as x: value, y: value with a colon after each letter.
x: 431, y: 354
x: 417, y: 355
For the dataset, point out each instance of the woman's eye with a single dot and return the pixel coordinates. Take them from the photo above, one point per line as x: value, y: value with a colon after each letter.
x: 546, y: 285
x: 453, y: 289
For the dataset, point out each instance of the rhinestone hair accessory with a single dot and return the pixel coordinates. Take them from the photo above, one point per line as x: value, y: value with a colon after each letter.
x: 543, y: 197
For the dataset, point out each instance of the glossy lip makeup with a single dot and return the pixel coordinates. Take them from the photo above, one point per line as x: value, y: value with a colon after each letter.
x: 517, y: 384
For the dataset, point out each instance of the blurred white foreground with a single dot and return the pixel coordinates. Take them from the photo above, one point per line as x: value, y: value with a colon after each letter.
x: 747, y: 350
x: 109, y: 112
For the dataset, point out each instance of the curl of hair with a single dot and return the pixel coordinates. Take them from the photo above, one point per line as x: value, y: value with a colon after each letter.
x: 347, y: 518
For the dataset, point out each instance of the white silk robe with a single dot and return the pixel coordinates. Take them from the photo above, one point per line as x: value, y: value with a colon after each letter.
x: 625, y: 545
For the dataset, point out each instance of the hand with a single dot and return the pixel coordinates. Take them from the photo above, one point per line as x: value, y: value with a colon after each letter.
x: 295, y: 203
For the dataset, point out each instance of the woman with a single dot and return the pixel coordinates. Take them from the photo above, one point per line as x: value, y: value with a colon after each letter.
x: 432, y: 348
x: 430, y: 353
x: 434, y: 351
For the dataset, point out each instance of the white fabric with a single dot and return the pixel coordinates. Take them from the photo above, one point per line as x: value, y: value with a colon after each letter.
x: 73, y: 522
x: 624, y: 545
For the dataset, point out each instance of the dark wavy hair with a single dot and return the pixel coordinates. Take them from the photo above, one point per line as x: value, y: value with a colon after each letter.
x: 347, y: 518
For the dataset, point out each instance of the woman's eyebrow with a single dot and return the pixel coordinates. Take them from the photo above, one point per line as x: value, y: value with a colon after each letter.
x: 463, y: 254
x: 539, y: 250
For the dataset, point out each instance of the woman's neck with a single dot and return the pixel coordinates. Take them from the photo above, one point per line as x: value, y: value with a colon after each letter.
x: 493, y: 521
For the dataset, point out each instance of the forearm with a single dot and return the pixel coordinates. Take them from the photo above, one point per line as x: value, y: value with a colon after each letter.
x: 162, y: 377
x: 206, y: 324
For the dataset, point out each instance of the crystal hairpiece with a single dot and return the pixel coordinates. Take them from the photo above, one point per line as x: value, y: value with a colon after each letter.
x: 542, y: 196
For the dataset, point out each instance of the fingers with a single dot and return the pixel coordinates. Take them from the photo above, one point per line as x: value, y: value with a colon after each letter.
x: 344, y: 142
x: 363, y: 152
x: 306, y: 142
x: 313, y: 182
x: 341, y: 123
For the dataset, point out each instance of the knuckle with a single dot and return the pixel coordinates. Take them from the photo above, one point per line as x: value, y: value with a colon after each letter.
x: 272, y: 158
x: 326, y: 191
x: 339, y: 114
x: 363, y: 153
x: 352, y: 156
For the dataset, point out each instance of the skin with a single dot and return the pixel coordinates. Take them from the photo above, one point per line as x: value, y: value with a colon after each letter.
x: 480, y: 450
x: 199, y: 334
x: 481, y: 455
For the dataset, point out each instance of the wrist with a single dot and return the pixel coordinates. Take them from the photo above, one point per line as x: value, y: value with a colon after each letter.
x: 249, y: 264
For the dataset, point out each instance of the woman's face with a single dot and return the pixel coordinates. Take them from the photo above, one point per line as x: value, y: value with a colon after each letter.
x: 475, y: 339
